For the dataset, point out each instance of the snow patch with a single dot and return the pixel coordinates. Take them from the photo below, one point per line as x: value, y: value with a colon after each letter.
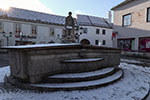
x: 133, y: 86
x: 4, y: 71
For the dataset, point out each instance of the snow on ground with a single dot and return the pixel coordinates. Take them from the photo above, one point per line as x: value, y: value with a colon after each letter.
x: 4, y: 71
x: 133, y: 86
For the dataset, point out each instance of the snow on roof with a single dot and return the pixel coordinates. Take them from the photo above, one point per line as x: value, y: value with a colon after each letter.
x: 24, y: 14
x: 33, y: 15
x: 92, y: 21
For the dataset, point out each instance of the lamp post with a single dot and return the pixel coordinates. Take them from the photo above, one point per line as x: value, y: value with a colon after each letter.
x: 59, y: 38
x: 79, y: 33
x: 78, y: 36
x: 7, y: 36
x: 21, y: 36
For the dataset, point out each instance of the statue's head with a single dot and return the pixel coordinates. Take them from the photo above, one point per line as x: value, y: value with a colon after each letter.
x: 70, y: 13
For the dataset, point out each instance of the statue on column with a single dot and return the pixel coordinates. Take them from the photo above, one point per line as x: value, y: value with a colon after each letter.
x: 69, y: 33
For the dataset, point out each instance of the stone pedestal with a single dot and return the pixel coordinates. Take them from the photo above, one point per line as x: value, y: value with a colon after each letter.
x: 68, y: 36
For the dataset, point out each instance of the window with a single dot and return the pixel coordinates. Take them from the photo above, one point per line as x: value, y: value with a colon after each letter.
x: 51, y: 31
x: 34, y: 31
x: 103, y: 32
x: 96, y: 42
x: 104, y: 42
x: 148, y: 14
x: 84, y: 30
x: 1, y: 27
x: 97, y: 31
x: 17, y: 28
x: 126, y: 44
x: 127, y: 20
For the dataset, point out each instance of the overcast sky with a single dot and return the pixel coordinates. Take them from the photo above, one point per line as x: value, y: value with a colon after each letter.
x: 62, y: 7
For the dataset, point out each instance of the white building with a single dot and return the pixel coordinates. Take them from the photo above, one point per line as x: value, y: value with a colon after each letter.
x: 29, y: 27
x: 95, y: 30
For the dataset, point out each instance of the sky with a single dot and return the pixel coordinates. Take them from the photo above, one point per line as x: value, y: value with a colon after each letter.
x: 90, y: 7
x: 62, y: 7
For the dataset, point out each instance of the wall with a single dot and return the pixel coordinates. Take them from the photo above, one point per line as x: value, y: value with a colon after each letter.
x: 43, y: 32
x: 139, y: 27
x: 92, y: 36
x: 8, y: 27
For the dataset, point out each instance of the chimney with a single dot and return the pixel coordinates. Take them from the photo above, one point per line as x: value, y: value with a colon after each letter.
x: 109, y: 16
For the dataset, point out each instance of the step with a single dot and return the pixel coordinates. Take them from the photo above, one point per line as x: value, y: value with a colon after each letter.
x: 78, y: 77
x: 82, y: 60
x: 81, y: 65
x: 78, y: 85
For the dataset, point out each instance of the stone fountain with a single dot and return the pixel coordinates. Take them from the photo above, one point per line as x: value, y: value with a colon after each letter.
x: 51, y: 67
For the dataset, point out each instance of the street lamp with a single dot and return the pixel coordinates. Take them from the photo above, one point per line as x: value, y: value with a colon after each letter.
x: 79, y: 33
x: 59, y: 38
x: 78, y: 36
x: 7, y: 36
x: 21, y: 37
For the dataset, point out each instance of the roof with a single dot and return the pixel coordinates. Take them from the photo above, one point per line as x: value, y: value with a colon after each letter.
x: 28, y: 15
x: 86, y: 20
x: 122, y: 3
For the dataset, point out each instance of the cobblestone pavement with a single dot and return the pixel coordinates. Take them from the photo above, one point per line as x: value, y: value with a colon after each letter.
x: 4, y: 59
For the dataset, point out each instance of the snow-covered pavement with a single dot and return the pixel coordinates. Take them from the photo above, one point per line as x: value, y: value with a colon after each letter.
x: 133, y: 86
x: 4, y: 71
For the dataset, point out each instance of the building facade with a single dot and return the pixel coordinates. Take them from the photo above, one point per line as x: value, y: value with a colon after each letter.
x: 22, y: 27
x: 132, y: 25
x: 94, y: 30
